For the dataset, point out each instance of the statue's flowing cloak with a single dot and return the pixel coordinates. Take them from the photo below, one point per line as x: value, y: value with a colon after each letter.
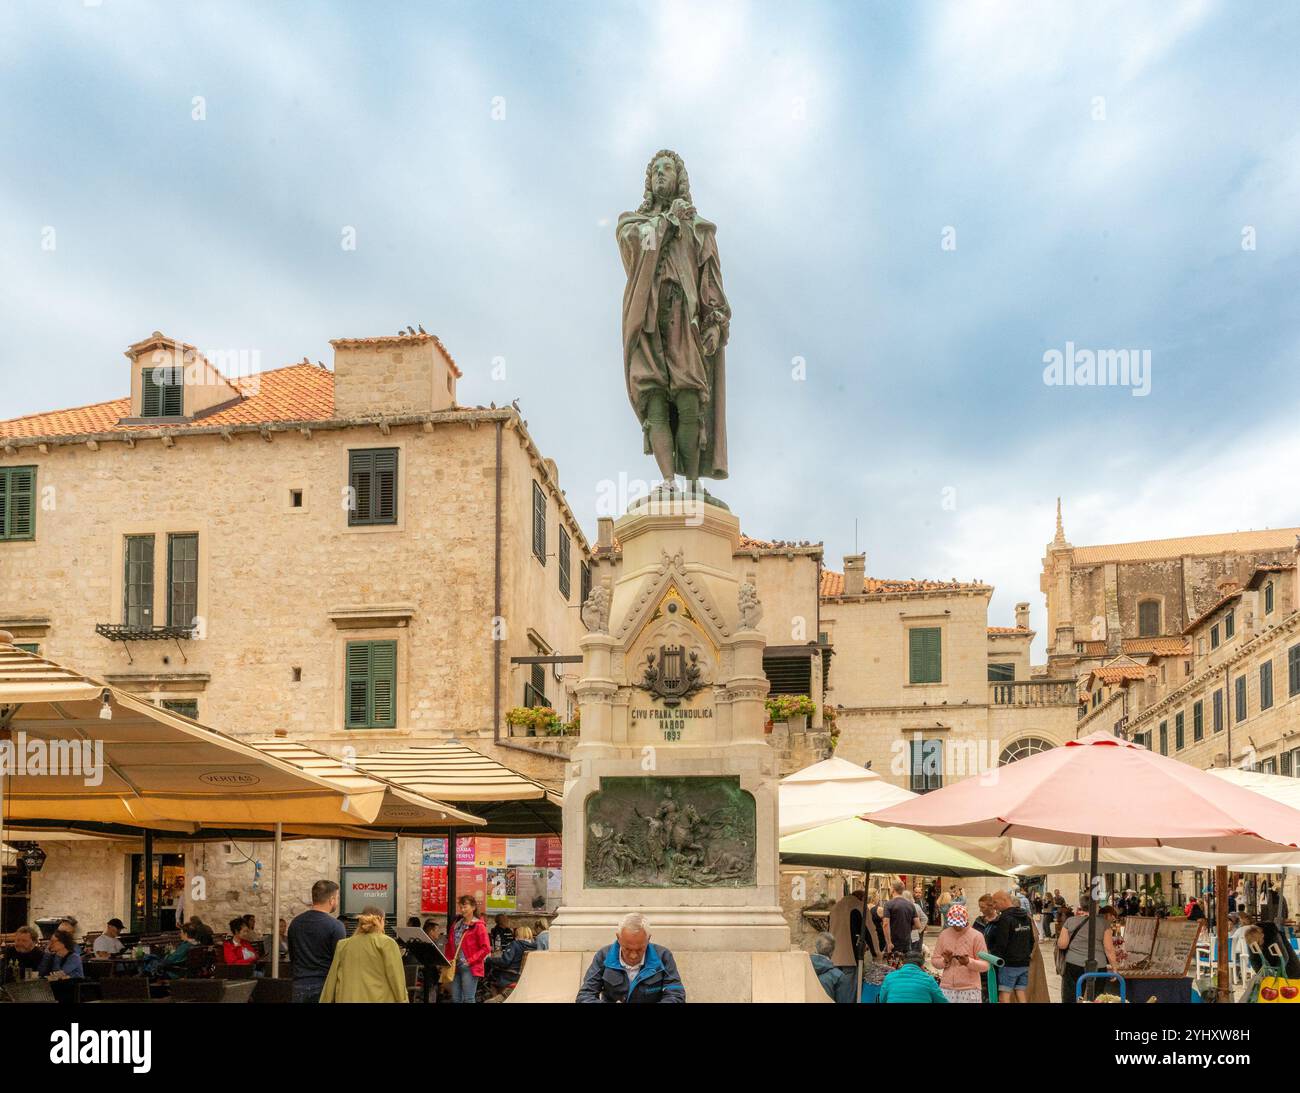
x: 692, y: 260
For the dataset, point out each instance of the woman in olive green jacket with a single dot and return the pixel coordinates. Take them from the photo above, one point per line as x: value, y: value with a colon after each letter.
x: 367, y: 966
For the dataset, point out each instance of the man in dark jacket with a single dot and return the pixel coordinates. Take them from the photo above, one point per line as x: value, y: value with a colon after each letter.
x: 1012, y: 938
x: 632, y: 970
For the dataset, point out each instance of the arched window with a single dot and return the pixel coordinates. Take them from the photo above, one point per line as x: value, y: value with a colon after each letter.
x: 1025, y: 746
x: 1149, y: 619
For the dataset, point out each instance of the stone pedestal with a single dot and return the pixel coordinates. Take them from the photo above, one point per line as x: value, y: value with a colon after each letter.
x: 671, y: 795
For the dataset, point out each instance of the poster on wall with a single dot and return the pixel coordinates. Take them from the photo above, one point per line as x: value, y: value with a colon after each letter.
x: 521, y: 851
x: 491, y: 853
x: 548, y: 853
x: 554, y: 885
x: 530, y: 889
x: 433, y: 877
x: 472, y: 881
x: 466, y: 850
x: 501, y: 890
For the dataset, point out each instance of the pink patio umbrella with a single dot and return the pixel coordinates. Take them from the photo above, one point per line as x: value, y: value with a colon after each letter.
x: 1102, y: 791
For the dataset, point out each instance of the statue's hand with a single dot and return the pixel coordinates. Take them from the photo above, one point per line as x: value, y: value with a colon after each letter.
x: 680, y: 209
x: 711, y: 338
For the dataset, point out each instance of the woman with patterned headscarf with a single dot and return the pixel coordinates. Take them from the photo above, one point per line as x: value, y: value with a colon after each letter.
x: 956, y: 954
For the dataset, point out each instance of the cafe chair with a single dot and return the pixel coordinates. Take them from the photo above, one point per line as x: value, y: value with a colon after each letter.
x: 130, y: 988
x: 35, y: 990
x: 273, y: 990
x: 234, y: 971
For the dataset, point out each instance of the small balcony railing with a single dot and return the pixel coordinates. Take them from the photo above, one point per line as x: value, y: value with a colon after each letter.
x: 1033, y: 692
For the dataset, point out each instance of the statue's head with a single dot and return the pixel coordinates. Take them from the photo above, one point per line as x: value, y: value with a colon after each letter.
x: 665, y: 179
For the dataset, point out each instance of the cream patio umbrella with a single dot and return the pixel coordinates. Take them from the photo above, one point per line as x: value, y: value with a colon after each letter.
x: 831, y: 790
x: 75, y: 750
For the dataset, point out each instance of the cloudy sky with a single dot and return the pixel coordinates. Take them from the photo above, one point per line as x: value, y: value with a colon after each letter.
x: 916, y: 202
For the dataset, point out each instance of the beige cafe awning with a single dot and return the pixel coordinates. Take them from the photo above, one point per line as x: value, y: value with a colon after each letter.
x: 147, y: 767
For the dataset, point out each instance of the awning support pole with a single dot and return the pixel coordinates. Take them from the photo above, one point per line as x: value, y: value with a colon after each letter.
x: 1224, y: 991
x: 147, y: 872
x: 1091, y: 965
x: 275, y: 900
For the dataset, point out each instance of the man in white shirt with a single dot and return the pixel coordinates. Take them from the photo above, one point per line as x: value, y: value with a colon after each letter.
x: 107, y: 943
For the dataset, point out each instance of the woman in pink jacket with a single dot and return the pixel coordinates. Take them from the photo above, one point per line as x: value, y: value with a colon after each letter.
x: 956, y: 953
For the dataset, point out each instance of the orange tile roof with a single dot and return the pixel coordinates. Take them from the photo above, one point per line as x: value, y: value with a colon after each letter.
x: 833, y: 585
x: 1119, y: 673
x: 1093, y: 648
x: 1154, y: 549
x: 1160, y: 647
x: 1010, y: 631
x: 297, y: 392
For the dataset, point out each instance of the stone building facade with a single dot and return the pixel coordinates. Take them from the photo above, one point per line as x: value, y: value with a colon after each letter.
x: 1100, y: 598
x: 345, y: 556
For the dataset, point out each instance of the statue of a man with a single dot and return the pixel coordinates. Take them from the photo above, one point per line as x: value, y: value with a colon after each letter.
x: 675, y: 320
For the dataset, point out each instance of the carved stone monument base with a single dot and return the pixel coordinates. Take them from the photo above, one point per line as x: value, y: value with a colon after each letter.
x: 670, y: 797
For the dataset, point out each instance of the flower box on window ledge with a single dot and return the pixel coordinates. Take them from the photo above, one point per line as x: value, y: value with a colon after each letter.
x: 540, y: 721
x: 790, y: 711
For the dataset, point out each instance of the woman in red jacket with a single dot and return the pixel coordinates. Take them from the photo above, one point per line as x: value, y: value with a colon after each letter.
x: 467, y: 948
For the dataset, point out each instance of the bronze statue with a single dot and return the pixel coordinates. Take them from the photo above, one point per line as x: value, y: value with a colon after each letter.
x: 675, y: 320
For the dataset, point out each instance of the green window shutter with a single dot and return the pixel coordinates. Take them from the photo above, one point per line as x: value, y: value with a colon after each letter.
x: 1241, y: 698
x: 924, y: 655
x: 150, y: 394
x: 539, y: 522
x: 17, y: 503
x: 1268, y: 598
x: 188, y: 707
x: 137, y: 595
x: 182, y: 580
x: 358, y: 684
x: 1164, y: 738
x: 566, y: 580
x: 1180, y: 738
x: 162, y: 391
x: 383, y: 853
x: 1293, y: 670
x: 372, y: 474
x: 1217, y: 706
x: 1266, y: 685
x: 585, y: 587
x: 1198, y: 720
x: 1229, y: 624
x: 371, y: 684
x: 383, y: 684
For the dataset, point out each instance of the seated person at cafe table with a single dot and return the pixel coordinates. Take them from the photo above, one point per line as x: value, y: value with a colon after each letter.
x: 503, y: 970
x: 23, y: 956
x: 238, y: 950
x: 107, y: 944
x: 173, y: 965
x: 61, y: 959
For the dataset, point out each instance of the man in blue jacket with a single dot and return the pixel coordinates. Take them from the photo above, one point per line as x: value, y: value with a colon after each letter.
x: 632, y: 970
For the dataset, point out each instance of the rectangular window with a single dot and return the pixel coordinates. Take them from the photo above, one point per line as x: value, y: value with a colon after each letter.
x: 1287, y: 765
x: 1266, y: 685
x: 1293, y: 670
x: 1229, y: 624
x: 1149, y: 619
x: 1240, y: 688
x: 371, y: 684
x: 372, y: 480
x: 1269, y: 766
x: 187, y: 707
x: 1164, y: 738
x: 535, y: 687
x: 1002, y: 673
x: 1144, y: 739
x: 565, y: 577
x: 584, y: 587
x: 137, y: 595
x: 925, y: 662
x: 1268, y: 598
x: 927, y: 765
x: 1214, y: 636
x: 1198, y: 719
x: 17, y: 503
x: 161, y: 391
x: 539, y: 523
x: 182, y: 580
x: 1180, y: 738
x: 1217, y: 706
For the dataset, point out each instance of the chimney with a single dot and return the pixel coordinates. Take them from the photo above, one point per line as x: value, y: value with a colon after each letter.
x: 1022, y: 616
x: 391, y: 376
x: 855, y: 574
x: 605, y: 533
